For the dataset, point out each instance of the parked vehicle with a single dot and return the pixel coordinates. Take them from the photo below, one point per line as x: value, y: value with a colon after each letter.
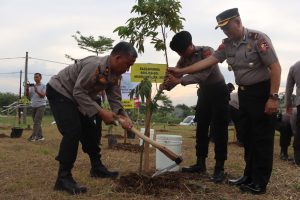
x: 188, y: 121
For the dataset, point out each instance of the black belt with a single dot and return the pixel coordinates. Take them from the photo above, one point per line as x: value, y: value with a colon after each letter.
x: 254, y: 86
x: 212, y: 85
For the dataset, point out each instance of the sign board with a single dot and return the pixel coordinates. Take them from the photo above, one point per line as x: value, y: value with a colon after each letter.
x: 155, y: 72
x: 128, y: 104
x: 126, y: 85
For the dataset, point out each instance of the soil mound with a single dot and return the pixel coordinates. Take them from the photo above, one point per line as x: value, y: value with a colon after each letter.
x: 128, y: 147
x: 160, y: 185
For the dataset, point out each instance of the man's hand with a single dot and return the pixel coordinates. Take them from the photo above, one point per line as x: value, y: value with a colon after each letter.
x: 107, y: 116
x: 271, y: 106
x: 174, y: 80
x: 170, y: 82
x: 125, y: 122
x: 177, y: 72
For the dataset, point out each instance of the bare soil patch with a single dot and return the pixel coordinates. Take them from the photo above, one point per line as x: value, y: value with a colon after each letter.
x: 135, y: 148
x: 161, y: 185
x: 2, y: 135
x: 117, y: 136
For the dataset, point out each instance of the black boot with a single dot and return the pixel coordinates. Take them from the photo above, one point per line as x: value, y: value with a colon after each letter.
x: 65, y: 182
x: 253, y: 188
x: 284, y: 154
x: 98, y: 170
x: 297, y: 157
x: 219, y: 174
x: 199, y: 167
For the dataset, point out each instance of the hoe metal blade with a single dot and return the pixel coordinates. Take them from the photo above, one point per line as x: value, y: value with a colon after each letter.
x: 159, y: 172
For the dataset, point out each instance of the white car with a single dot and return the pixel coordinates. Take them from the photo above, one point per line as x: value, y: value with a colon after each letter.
x: 188, y: 121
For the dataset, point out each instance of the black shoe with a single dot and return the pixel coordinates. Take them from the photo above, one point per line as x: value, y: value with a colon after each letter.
x: 102, y: 172
x: 69, y: 185
x: 297, y: 157
x: 240, y: 181
x: 253, y: 188
x: 296, y: 162
x: 194, y: 169
x: 32, y: 138
x: 284, y: 156
x: 218, y: 176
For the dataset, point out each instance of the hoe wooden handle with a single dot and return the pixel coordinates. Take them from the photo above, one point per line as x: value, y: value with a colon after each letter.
x: 170, y: 154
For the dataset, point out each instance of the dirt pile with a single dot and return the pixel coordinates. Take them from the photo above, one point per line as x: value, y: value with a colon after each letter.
x: 160, y: 185
x: 135, y: 148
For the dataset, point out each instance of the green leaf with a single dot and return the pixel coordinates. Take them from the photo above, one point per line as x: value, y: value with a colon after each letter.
x: 152, y: 16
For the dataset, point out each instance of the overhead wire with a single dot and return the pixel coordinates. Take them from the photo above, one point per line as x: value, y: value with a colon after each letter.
x: 11, y: 58
x: 52, y: 61
x: 9, y: 72
x: 32, y: 58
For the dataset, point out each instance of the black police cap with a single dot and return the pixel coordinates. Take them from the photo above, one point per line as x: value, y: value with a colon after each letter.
x: 224, y: 17
x: 181, y: 41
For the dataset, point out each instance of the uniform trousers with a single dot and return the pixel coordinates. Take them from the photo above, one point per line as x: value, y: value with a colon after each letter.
x: 296, y: 143
x: 286, y: 134
x: 212, y: 108
x: 74, y: 128
x: 259, y: 131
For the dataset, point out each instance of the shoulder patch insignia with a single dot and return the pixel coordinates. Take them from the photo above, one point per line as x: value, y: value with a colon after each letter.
x: 221, y: 46
x: 263, y: 45
x: 253, y: 35
x: 206, y: 53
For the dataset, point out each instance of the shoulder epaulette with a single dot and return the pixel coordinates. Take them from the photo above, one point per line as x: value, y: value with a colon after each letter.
x: 253, y: 35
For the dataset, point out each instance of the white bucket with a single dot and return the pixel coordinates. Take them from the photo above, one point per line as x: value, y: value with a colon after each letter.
x: 151, y: 135
x: 172, y: 142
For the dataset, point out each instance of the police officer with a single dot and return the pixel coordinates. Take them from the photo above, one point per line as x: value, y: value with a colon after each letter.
x: 292, y: 79
x: 71, y: 94
x: 211, y: 106
x: 251, y: 56
x: 286, y: 125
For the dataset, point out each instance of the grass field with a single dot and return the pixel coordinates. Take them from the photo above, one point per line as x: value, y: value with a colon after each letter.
x: 28, y: 169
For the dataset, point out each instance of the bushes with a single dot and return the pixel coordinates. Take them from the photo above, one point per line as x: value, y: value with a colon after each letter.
x: 169, y: 118
x: 7, y: 98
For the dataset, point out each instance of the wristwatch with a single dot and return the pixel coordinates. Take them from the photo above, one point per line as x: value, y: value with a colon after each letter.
x: 274, y: 96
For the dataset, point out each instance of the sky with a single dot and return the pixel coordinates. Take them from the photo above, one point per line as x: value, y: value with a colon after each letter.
x: 44, y: 29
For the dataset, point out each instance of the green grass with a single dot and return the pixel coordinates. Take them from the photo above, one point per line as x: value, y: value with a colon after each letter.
x: 10, y: 121
x: 28, y: 169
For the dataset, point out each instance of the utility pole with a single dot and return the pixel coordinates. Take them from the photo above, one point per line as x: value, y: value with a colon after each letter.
x: 20, y: 95
x: 25, y: 85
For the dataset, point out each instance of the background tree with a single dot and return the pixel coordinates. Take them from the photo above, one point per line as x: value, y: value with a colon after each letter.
x: 7, y: 98
x: 155, y: 18
x: 153, y: 15
x: 89, y: 43
x: 166, y: 105
x: 182, y: 110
